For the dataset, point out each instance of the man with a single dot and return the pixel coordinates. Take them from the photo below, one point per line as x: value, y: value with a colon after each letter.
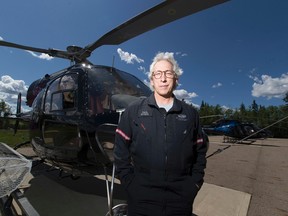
x: 160, y: 151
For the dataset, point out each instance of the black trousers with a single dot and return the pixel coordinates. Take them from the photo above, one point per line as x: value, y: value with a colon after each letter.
x: 156, y: 195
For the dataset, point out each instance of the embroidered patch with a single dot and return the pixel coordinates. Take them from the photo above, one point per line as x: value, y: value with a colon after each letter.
x: 144, y: 113
x: 181, y: 117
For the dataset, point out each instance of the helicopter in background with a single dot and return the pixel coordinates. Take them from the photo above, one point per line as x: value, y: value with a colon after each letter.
x: 75, y: 111
x: 236, y: 131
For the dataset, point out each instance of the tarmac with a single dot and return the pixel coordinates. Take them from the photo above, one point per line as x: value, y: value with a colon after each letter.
x: 257, y: 168
x: 248, y: 179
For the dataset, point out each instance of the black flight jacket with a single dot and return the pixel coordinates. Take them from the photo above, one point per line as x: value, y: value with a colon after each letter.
x: 149, y: 138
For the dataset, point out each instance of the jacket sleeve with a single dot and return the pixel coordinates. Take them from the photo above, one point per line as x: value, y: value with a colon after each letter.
x: 122, y: 156
x: 200, y: 146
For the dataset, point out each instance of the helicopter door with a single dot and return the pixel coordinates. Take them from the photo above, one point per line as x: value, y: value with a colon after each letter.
x: 61, y: 101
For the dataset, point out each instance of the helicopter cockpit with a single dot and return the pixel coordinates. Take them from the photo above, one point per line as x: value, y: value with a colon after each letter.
x: 96, y: 90
x: 83, y: 102
x: 111, y: 89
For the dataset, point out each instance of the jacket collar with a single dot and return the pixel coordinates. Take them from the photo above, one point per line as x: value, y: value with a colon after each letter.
x: 177, y: 106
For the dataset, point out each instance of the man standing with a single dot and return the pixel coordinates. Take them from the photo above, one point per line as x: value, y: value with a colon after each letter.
x: 160, y: 149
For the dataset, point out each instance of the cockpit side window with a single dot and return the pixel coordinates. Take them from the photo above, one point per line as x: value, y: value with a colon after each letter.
x: 36, y: 106
x: 52, y: 103
x: 62, y: 94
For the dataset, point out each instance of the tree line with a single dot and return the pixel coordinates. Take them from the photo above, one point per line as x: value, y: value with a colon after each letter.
x: 275, y: 118
x: 260, y: 115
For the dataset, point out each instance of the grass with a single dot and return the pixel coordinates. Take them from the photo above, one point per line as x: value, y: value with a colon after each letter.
x: 7, y: 136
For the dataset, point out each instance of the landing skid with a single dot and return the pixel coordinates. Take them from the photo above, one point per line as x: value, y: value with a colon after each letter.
x: 227, y: 139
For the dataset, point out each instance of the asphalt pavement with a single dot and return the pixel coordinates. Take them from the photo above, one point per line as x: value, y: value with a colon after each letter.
x: 248, y: 179
x: 259, y: 168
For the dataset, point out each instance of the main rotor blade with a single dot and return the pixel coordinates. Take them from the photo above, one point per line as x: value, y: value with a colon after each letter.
x: 51, y: 52
x: 14, y: 45
x: 163, y: 13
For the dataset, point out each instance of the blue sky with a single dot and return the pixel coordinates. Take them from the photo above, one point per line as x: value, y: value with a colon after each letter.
x: 232, y: 53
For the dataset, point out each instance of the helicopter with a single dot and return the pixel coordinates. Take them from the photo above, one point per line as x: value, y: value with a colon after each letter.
x: 236, y: 131
x: 75, y: 111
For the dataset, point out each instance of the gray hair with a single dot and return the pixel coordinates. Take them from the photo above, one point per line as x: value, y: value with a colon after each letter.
x: 168, y: 56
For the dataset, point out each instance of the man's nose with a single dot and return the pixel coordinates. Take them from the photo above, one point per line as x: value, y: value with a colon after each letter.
x: 163, y: 77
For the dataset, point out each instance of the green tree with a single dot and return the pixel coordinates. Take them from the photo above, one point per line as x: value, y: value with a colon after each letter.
x: 285, y: 99
x: 209, y: 113
x: 254, y: 107
x: 240, y: 113
x: 5, y: 109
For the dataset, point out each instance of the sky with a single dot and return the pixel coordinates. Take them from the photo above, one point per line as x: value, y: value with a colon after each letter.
x: 233, y: 53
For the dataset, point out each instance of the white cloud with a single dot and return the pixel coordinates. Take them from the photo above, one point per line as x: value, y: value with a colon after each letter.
x: 217, y: 85
x: 9, y: 89
x: 181, y: 54
x: 11, y: 86
x: 225, y: 108
x: 182, y: 94
x: 143, y: 69
x: 270, y: 87
x: 128, y: 58
x: 41, y: 56
x: 1, y: 38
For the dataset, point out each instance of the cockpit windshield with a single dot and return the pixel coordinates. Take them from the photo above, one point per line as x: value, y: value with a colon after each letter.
x: 112, y: 89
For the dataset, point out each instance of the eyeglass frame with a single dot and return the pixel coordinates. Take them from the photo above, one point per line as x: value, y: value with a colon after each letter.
x: 165, y: 73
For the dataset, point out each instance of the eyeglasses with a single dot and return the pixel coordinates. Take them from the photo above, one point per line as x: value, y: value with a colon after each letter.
x: 168, y: 74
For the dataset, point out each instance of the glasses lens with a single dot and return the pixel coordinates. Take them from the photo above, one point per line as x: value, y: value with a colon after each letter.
x: 168, y: 74
x: 158, y: 74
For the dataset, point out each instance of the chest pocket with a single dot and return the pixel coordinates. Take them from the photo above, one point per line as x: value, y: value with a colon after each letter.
x: 181, y: 128
x: 141, y: 127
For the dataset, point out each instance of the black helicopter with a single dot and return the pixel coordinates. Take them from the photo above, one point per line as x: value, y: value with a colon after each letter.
x: 70, y: 107
x: 235, y: 130
x: 75, y: 111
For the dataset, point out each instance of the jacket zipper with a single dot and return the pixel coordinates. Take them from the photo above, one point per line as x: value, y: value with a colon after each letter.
x: 166, y: 147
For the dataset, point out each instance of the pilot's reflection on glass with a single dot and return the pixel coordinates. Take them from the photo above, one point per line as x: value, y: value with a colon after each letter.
x: 61, y: 94
x: 68, y: 85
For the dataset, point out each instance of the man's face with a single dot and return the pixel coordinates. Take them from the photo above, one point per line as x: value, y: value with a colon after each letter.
x: 163, y: 79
